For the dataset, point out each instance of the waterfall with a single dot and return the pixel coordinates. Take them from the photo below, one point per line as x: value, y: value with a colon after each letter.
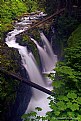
x: 48, y: 60
x: 28, y: 61
x: 48, y: 48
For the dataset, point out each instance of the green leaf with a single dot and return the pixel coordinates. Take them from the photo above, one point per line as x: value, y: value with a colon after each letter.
x: 38, y: 109
x: 53, y: 119
x: 61, y: 105
x: 57, y: 113
x: 72, y: 95
x: 57, y: 84
x: 63, y: 98
x: 79, y: 117
x: 73, y: 107
x: 69, y: 105
x: 70, y: 114
x: 24, y: 116
x: 32, y: 113
x: 79, y: 100
x: 74, y: 101
x: 43, y: 118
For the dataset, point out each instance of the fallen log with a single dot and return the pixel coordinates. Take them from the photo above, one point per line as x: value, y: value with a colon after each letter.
x: 42, y: 21
x: 23, y: 80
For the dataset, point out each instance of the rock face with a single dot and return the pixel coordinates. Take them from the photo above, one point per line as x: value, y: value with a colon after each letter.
x: 23, y: 96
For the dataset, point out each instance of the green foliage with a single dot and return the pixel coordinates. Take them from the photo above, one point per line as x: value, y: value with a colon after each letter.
x: 9, y: 10
x: 9, y: 60
x: 66, y: 104
x: 33, y: 116
x: 31, y: 5
x: 67, y: 85
x: 8, y: 88
x: 73, y: 42
x: 65, y: 26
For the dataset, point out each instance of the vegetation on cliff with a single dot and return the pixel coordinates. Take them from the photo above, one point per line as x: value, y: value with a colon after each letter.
x: 67, y: 84
x: 67, y: 103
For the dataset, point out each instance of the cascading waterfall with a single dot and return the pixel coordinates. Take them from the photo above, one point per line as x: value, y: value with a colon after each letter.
x: 48, y: 48
x: 28, y: 61
x: 48, y: 60
x: 34, y: 75
x: 32, y: 56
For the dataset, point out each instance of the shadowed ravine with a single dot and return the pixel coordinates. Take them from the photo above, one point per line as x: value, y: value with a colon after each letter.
x: 28, y: 98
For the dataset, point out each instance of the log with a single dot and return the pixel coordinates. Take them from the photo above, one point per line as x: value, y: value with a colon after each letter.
x: 23, y: 80
x: 44, y: 20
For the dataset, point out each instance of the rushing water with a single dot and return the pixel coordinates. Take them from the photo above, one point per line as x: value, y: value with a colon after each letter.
x: 48, y: 60
x: 48, y: 48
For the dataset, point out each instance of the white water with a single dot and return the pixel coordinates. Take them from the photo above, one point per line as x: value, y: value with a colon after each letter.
x: 46, y: 61
x: 28, y: 60
x: 39, y: 99
x: 48, y: 48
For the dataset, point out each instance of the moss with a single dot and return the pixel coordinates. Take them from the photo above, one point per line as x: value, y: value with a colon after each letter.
x: 75, y: 38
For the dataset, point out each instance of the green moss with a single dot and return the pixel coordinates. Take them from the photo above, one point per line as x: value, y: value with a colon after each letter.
x: 75, y: 38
